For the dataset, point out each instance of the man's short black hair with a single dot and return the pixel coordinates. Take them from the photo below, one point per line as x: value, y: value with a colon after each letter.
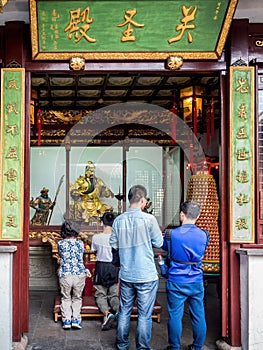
x: 70, y: 228
x: 108, y: 218
x: 136, y: 193
x: 191, y: 209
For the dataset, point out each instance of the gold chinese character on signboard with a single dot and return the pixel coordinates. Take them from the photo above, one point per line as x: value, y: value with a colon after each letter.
x: 242, y: 154
x: 127, y: 34
x: 241, y: 224
x: 13, y: 84
x: 242, y: 176
x: 242, y: 111
x: 12, y: 153
x: 11, y: 221
x: 242, y: 199
x: 11, y: 198
x: 11, y: 175
x: 12, y: 129
x: 241, y: 86
x: 241, y: 133
x: 79, y: 25
x: 11, y: 107
x: 188, y: 17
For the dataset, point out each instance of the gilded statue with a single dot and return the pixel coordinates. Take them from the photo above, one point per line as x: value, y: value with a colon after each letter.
x: 42, y: 205
x: 86, y: 193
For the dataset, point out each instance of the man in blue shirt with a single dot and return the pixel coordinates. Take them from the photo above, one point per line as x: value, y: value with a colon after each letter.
x: 134, y: 234
x: 185, y: 277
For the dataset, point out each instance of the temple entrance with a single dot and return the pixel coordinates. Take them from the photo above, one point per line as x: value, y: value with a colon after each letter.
x: 160, y: 130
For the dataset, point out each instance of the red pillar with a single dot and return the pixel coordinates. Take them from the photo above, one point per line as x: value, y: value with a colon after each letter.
x: 14, y: 56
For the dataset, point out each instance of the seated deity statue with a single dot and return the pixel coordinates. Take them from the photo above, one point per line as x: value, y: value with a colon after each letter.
x: 42, y: 204
x: 87, y: 192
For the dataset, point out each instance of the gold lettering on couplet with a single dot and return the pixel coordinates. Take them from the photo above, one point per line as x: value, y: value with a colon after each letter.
x: 242, y: 154
x: 242, y: 199
x: 242, y: 176
x: 188, y: 17
x: 242, y: 87
x: 241, y: 224
x: 11, y: 198
x: 127, y: 34
x: 242, y: 113
x: 11, y: 175
x: 12, y: 129
x: 11, y: 221
x: 79, y: 25
x: 11, y: 107
x: 12, y: 153
x: 241, y: 133
x: 13, y: 84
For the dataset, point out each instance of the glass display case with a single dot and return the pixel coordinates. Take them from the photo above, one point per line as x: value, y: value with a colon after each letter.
x: 157, y: 168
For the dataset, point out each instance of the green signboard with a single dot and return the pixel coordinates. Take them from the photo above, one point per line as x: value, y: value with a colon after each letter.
x: 242, y: 167
x: 12, y: 154
x: 125, y: 29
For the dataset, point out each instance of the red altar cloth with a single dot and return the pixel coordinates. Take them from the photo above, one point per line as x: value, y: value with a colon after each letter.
x: 88, y: 289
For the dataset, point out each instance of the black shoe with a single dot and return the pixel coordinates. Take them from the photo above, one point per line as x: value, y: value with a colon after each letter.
x: 190, y: 347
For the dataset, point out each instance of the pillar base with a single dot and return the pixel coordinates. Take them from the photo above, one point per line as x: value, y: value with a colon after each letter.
x: 222, y: 345
x: 22, y: 345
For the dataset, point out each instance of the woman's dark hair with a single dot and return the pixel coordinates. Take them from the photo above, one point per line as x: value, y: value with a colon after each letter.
x: 70, y: 228
x: 136, y: 193
x: 108, y: 218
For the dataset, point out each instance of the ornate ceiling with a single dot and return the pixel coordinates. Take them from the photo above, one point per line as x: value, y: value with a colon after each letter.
x: 82, y: 105
x: 93, y: 91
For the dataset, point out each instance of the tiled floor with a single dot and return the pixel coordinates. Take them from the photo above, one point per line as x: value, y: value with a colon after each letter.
x: 45, y: 334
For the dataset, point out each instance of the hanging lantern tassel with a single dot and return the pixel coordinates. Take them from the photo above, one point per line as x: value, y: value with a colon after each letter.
x: 39, y: 126
x: 208, y: 121
x: 173, y: 122
x: 195, y: 116
x: 212, y: 117
x: 191, y: 156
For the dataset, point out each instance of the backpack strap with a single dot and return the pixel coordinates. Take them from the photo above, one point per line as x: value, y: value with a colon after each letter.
x: 185, y: 262
x: 207, y: 236
x: 168, y: 236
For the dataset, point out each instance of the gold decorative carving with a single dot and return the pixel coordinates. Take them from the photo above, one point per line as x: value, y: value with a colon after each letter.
x: 174, y: 62
x: 259, y: 43
x: 211, y: 267
x: 226, y: 26
x: 52, y: 237
x: 77, y: 63
x: 2, y: 4
x: 127, y: 55
x: 53, y: 133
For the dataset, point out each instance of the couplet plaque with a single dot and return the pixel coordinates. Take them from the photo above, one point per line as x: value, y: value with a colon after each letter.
x: 12, y: 154
x: 241, y: 155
